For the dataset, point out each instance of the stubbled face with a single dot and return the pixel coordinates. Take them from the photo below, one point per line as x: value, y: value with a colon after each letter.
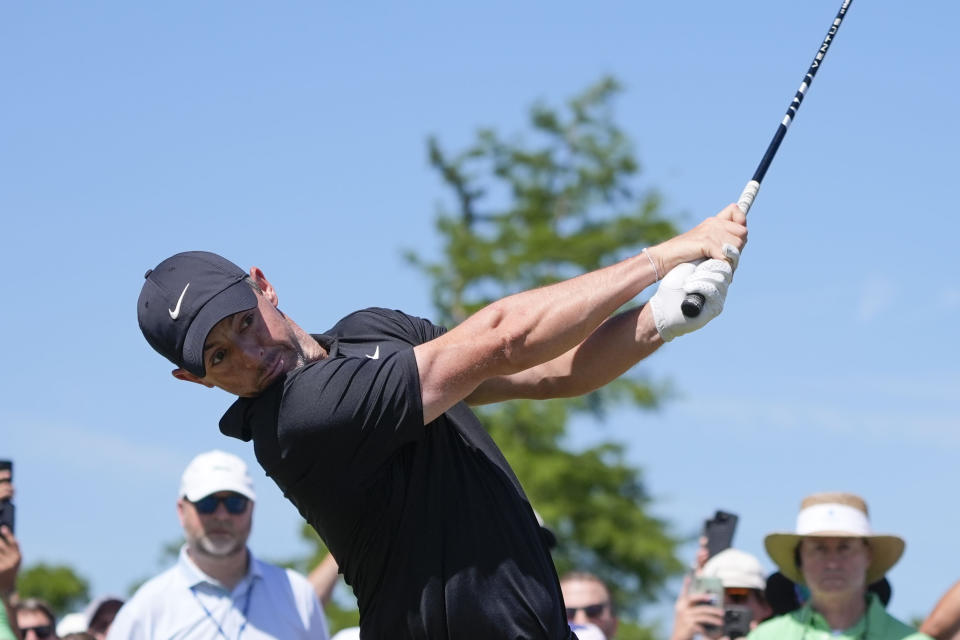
x: 245, y: 352
x: 834, y: 567
x: 219, y: 534
x: 579, y: 594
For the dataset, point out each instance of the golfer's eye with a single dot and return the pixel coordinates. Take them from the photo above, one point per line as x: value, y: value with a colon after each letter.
x: 217, y: 357
x: 246, y: 321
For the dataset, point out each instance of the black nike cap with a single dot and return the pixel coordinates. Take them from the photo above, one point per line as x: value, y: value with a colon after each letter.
x: 183, y: 298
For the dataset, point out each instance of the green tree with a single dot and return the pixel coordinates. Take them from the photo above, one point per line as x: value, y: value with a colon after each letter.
x: 529, y: 212
x: 59, y: 585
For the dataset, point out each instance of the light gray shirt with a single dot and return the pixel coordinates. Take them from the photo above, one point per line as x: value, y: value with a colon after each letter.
x: 183, y: 603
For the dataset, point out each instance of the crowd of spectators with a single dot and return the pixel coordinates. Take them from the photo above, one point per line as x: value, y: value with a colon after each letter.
x: 829, y: 582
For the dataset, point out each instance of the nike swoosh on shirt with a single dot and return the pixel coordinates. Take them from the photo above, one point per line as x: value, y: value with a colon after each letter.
x: 175, y: 312
x: 376, y: 354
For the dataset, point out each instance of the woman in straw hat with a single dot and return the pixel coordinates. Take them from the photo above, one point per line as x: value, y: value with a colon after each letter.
x: 836, y: 555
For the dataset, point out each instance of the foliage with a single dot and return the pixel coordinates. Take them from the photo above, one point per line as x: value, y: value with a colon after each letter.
x: 59, y: 585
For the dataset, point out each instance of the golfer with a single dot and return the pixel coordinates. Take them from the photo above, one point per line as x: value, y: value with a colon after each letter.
x: 366, y: 428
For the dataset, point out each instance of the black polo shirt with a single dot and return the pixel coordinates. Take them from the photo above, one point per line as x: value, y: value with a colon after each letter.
x: 428, y: 523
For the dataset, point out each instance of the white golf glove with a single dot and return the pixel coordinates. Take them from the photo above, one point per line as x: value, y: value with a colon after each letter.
x: 709, y: 278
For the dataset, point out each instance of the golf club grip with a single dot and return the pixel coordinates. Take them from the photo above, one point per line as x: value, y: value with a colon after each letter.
x: 692, y: 304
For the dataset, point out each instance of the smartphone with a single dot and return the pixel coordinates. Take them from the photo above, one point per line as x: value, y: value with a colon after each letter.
x: 6, y: 507
x: 712, y: 586
x: 736, y: 621
x: 719, y: 532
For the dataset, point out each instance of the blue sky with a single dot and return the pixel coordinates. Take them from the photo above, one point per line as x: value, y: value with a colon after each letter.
x: 292, y: 137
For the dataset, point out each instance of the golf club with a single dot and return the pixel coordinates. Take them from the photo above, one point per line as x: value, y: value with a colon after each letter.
x: 693, y: 303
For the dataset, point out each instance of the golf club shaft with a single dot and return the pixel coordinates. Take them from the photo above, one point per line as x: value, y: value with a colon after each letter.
x: 693, y: 303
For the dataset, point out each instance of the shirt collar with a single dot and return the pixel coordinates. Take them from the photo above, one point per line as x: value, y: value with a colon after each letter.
x: 873, y: 614
x: 241, y: 416
x: 194, y: 576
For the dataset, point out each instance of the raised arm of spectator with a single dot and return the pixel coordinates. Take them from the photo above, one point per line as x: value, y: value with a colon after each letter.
x: 541, y: 332
x: 9, y: 566
x: 943, y: 623
x: 324, y: 577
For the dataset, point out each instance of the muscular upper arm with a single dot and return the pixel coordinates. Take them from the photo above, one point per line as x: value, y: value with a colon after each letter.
x: 452, y: 366
x: 450, y: 369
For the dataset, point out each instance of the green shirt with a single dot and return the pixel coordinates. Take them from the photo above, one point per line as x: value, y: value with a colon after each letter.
x: 6, y: 633
x: 807, y: 624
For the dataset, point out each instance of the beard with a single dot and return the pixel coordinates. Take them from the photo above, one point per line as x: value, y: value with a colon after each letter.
x: 220, y: 545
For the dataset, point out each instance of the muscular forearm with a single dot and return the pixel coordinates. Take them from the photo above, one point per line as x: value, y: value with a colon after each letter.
x: 529, y: 329
x: 611, y: 350
x: 541, y: 325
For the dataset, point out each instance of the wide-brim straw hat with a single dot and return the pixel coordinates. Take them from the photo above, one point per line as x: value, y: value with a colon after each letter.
x: 834, y: 515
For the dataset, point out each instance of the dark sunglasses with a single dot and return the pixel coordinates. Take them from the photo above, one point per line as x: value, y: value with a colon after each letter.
x: 45, y: 631
x: 235, y: 504
x: 591, y: 610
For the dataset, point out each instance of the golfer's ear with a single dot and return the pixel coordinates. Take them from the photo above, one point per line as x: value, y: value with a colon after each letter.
x: 183, y: 374
x: 265, y: 287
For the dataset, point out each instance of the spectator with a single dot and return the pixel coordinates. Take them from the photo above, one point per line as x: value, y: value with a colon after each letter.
x: 218, y: 589
x: 95, y: 619
x: 834, y: 552
x: 743, y: 582
x: 9, y: 565
x: 588, y: 601
x: 943, y: 623
x: 99, y: 615
x: 36, y: 620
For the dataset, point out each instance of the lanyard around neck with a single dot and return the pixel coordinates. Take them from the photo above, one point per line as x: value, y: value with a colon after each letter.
x: 246, y: 608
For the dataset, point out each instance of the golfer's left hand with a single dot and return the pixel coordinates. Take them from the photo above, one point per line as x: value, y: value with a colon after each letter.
x: 710, y: 278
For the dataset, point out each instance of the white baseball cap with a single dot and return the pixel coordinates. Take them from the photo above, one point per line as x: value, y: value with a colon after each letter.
x: 216, y: 471
x: 736, y: 570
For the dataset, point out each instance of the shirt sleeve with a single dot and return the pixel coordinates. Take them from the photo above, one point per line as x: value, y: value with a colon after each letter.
x: 351, y: 412
x: 127, y: 625
x: 6, y: 633
x: 310, y: 609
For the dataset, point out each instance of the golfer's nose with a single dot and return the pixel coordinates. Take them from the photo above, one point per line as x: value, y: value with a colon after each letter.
x: 252, y: 351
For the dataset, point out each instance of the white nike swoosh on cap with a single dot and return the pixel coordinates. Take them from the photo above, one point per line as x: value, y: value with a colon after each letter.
x: 376, y: 354
x: 175, y: 312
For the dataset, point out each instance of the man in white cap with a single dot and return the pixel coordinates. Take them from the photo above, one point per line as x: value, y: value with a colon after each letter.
x: 836, y: 554
x: 743, y: 580
x: 218, y: 589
